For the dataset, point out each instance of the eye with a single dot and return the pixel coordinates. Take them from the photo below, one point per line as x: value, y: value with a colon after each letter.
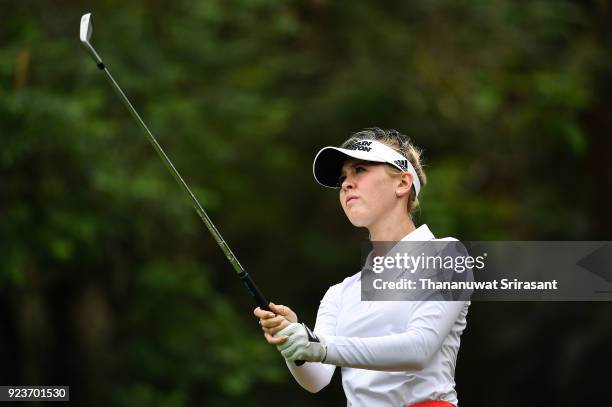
x: 359, y: 169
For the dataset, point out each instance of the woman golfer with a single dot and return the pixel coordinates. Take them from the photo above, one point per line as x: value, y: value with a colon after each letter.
x: 392, y: 353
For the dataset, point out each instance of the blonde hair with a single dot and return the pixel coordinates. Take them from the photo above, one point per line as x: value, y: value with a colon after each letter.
x: 403, y: 145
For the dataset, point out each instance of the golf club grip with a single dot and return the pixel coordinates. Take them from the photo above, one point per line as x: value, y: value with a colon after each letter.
x: 259, y: 298
x: 254, y: 291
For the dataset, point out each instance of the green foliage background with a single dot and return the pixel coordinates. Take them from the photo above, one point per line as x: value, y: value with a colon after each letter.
x: 109, y: 282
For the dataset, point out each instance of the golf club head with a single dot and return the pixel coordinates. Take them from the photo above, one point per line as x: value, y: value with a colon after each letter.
x: 85, y: 32
x: 85, y: 35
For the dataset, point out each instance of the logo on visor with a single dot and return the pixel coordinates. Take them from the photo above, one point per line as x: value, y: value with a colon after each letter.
x: 360, y: 145
x: 403, y: 164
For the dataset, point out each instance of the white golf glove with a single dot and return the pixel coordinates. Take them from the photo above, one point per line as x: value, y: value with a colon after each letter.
x: 301, y: 344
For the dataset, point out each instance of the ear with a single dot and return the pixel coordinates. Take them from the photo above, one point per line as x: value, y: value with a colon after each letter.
x: 404, y: 185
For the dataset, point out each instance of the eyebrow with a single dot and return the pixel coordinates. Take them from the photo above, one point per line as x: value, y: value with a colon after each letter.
x: 356, y: 163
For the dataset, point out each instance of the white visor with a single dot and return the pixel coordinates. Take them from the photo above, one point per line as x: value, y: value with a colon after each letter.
x: 327, y: 165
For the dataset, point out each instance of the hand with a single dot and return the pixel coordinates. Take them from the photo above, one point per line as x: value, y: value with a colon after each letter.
x: 272, y: 322
x: 301, y: 344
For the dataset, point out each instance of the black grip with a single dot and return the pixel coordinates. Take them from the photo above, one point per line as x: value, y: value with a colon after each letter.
x: 259, y: 298
x: 254, y: 291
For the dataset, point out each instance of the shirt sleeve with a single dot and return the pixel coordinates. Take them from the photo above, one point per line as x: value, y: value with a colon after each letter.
x: 429, y: 325
x: 315, y: 376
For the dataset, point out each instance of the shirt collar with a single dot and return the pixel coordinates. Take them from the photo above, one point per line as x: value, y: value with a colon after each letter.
x: 422, y: 233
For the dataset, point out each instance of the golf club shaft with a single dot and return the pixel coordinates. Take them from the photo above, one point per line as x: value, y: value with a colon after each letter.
x: 244, y: 276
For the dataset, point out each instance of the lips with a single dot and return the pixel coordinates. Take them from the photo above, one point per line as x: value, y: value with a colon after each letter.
x: 350, y: 199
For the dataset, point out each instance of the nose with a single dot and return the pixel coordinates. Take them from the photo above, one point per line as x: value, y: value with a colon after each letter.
x: 348, y: 183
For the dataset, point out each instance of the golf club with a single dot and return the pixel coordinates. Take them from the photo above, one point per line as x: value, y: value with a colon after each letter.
x: 85, y: 35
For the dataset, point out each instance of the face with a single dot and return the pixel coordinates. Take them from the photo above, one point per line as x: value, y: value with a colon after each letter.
x: 367, y: 192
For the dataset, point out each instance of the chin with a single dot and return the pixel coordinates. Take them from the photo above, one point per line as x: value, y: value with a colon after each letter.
x: 358, y: 221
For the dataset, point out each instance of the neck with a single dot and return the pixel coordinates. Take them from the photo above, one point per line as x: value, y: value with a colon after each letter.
x: 391, y: 228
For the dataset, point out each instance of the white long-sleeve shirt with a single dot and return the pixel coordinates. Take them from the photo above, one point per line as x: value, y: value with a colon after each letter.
x: 392, y: 353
